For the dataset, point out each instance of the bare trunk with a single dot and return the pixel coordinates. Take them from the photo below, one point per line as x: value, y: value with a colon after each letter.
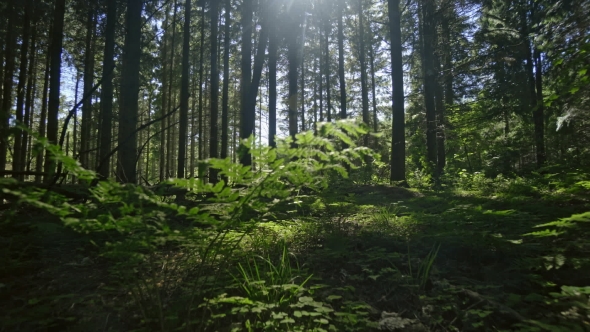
x: 88, y: 83
x: 8, y: 83
x: 106, y: 97
x: 363, y: 62
x: 130, y: 93
x: 225, y: 93
x: 19, y: 148
x: 343, y: 113
x: 214, y: 126
x: 398, y: 143
x: 54, y: 84
x: 429, y: 75
x: 184, y: 91
x: 247, y: 117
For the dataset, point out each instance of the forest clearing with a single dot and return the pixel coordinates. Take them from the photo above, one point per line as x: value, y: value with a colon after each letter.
x: 294, y: 165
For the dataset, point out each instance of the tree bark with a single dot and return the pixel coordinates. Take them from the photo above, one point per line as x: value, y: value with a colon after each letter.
x: 327, y: 71
x: 225, y: 93
x: 429, y: 76
x: 201, y: 64
x: 29, y: 102
x: 163, y: 124
x: 17, y: 163
x: 214, y: 126
x: 171, y: 98
x: 363, y: 63
x: 8, y: 83
x: 343, y: 114
x: 373, y: 90
x: 246, y: 116
x: 398, y: 142
x: 54, y: 84
x: 43, y: 116
x: 321, y: 72
x: 272, y: 77
x: 88, y: 83
x: 129, y: 94
x: 440, y: 119
x: 106, y: 96
x: 184, y: 91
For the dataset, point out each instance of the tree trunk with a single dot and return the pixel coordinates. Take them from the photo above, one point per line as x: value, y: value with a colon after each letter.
x: 88, y: 83
x: 225, y: 97
x: 327, y: 70
x: 398, y: 142
x: 538, y: 115
x: 246, y: 117
x: 201, y: 63
x: 106, y: 96
x: 321, y: 73
x: 440, y: 119
x: 129, y: 93
x: 8, y: 82
x: 29, y: 102
x: 293, y: 63
x: 43, y: 116
x: 428, y: 76
x: 302, y: 88
x: 373, y: 90
x: 54, y: 84
x: 343, y: 113
x: 534, y: 90
x: 257, y: 72
x: 184, y: 92
x: 272, y: 77
x: 164, y: 94
x: 363, y: 63
x: 171, y: 97
x: 17, y: 163
x: 214, y: 126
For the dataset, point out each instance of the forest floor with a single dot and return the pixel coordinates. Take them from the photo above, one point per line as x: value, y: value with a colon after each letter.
x: 382, y: 257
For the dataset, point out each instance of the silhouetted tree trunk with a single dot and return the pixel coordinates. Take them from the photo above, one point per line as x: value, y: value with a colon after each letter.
x: 246, y: 117
x: 302, y: 90
x: 184, y: 92
x: 225, y: 93
x: 440, y: 119
x: 19, y: 148
x: 373, y: 88
x: 539, y: 112
x: 88, y: 83
x: 321, y: 72
x: 30, y: 95
x: 54, y: 84
x: 272, y: 76
x: 398, y: 141
x: 106, y: 96
x: 291, y: 35
x: 164, y: 122
x: 363, y: 62
x: 43, y: 116
x: 534, y: 90
x: 8, y: 82
x: 130, y: 93
x: 343, y: 113
x: 171, y: 98
x: 214, y: 126
x: 201, y: 64
x: 327, y: 69
x: 429, y: 76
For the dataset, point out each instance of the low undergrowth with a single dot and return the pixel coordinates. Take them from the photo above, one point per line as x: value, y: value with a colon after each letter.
x: 295, y: 247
